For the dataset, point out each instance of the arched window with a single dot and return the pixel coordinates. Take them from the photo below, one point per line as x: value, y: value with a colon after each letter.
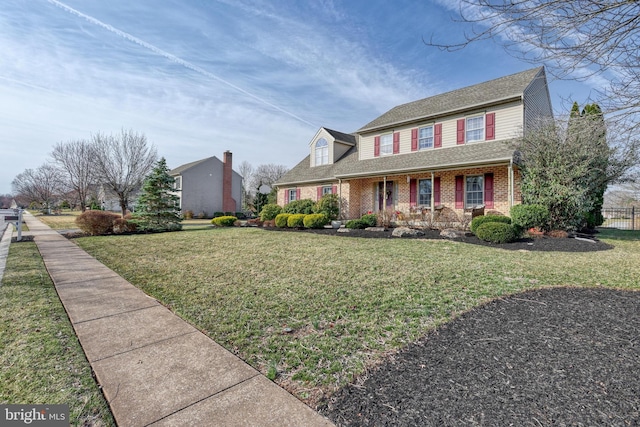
x: 322, y: 152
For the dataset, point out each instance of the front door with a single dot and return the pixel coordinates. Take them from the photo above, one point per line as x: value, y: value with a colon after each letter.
x: 385, y: 198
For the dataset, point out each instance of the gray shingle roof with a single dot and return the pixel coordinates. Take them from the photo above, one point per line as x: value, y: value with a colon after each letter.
x: 182, y: 168
x: 349, y: 166
x: 458, y: 100
x: 342, y: 137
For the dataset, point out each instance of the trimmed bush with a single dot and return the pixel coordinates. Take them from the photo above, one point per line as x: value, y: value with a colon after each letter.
x: 497, y: 232
x: 218, y: 214
x: 371, y: 220
x: 188, y: 214
x: 224, y: 221
x: 121, y: 225
x: 318, y: 220
x: 304, y: 206
x: 282, y: 219
x: 356, y: 224
x: 97, y: 223
x: 269, y: 212
x: 482, y: 219
x: 296, y: 220
x: 529, y: 216
x: 329, y: 206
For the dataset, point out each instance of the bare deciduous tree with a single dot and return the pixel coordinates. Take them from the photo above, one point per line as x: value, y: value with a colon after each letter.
x: 5, y: 201
x: 121, y: 162
x: 40, y: 185
x: 268, y: 174
x: 246, y: 170
x: 75, y: 158
x: 574, y: 39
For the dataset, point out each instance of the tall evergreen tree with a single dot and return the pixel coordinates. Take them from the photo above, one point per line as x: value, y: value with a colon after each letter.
x: 158, y: 208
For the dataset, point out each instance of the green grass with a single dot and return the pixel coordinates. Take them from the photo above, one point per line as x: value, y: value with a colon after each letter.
x: 41, y: 361
x: 614, y: 233
x: 316, y: 311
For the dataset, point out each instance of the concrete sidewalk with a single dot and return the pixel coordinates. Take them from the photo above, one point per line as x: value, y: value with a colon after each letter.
x: 156, y: 369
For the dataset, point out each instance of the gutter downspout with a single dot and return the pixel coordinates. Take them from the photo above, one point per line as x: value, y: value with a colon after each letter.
x: 340, y: 198
x: 511, y: 184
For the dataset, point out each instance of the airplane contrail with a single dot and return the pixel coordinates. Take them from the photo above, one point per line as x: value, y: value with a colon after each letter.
x: 174, y: 58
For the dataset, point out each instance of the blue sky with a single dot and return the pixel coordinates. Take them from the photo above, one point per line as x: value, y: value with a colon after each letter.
x: 198, y: 77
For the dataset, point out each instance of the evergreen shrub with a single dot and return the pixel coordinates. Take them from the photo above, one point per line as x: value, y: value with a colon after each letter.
x: 224, y: 221
x: 303, y: 206
x: 497, y: 232
x: 356, y: 224
x: 479, y: 220
x: 282, y: 219
x: 296, y: 220
x: 318, y: 220
x: 371, y: 220
x: 269, y: 212
x: 529, y: 216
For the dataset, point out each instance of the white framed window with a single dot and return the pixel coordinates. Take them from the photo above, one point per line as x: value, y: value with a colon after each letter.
x: 424, y: 192
x: 475, y: 129
x: 322, y: 152
x: 474, y: 194
x: 425, y: 137
x: 386, y: 144
x: 292, y: 194
x: 327, y: 189
x: 177, y: 183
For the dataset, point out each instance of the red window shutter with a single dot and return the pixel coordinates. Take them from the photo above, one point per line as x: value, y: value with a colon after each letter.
x: 490, y: 121
x: 413, y: 193
x: 436, y: 190
x: 414, y: 139
x: 396, y: 142
x: 460, y: 132
x: 437, y: 135
x: 376, y: 146
x: 319, y: 193
x: 297, y: 194
x: 488, y: 190
x: 334, y: 189
x: 459, y: 192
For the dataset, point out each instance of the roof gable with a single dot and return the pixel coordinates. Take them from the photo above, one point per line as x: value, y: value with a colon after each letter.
x: 486, y: 93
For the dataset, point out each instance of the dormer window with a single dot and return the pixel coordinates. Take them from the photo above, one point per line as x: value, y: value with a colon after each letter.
x: 322, y: 152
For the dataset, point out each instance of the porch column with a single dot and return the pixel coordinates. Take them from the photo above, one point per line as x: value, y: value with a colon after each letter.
x: 433, y: 200
x: 340, y: 216
x: 511, y: 183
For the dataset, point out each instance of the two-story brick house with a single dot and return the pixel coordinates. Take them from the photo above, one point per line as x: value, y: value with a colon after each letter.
x: 446, y: 150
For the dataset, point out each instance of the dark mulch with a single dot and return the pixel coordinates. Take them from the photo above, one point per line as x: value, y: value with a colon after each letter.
x: 543, y: 243
x: 563, y: 357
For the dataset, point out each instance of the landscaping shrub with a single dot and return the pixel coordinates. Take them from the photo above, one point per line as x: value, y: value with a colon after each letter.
x: 482, y: 219
x: 224, y: 221
x: 329, y: 206
x: 240, y: 215
x: 318, y: 220
x: 371, y: 220
x: 296, y: 220
x: 97, y: 223
x: 304, y: 206
x: 282, y: 219
x: 497, y: 232
x: 529, y: 216
x: 121, y: 225
x: 218, y: 214
x: 188, y: 214
x: 356, y: 224
x: 269, y: 212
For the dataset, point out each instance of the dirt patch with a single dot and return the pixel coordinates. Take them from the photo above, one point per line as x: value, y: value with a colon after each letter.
x: 563, y: 356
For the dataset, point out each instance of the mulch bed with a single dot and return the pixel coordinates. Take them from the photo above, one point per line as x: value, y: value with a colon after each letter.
x: 543, y: 243
x: 563, y: 356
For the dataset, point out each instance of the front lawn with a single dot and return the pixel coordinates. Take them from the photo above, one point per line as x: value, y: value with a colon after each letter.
x: 316, y: 311
x: 41, y: 361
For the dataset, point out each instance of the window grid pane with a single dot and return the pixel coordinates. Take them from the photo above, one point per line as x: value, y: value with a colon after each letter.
x: 386, y: 144
x: 425, y: 137
x: 475, y: 129
x: 424, y: 192
x: 327, y: 190
x: 475, y: 191
x: 322, y: 152
x: 292, y: 195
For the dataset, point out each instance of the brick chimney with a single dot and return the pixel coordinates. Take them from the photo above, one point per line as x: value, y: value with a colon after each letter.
x: 228, y: 202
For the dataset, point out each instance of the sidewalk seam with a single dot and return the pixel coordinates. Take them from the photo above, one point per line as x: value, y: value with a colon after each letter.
x: 146, y: 345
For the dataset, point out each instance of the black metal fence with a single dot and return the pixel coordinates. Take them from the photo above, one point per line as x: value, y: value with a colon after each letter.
x: 622, y: 218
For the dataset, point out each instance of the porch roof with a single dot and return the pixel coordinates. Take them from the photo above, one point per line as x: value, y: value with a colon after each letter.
x: 349, y: 166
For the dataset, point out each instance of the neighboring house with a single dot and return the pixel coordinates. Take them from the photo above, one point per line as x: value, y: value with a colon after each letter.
x: 208, y: 186
x: 447, y: 150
